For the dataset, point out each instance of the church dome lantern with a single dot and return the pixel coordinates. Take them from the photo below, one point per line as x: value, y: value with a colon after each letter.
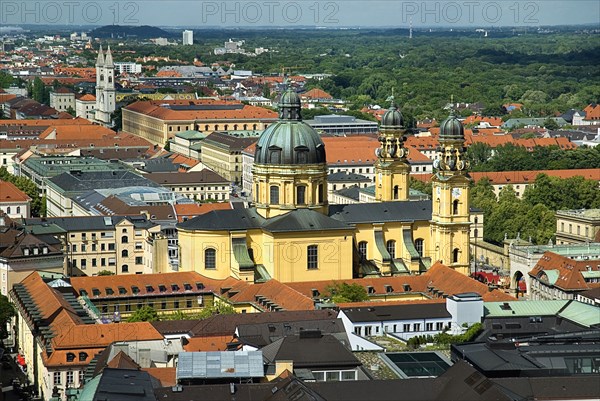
x: 452, y: 128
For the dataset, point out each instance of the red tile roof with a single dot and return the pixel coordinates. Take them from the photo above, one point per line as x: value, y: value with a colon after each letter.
x: 316, y: 93
x: 281, y: 294
x: 439, y: 276
x: 192, y: 210
x: 569, y: 271
x: 153, y: 108
x: 10, y: 193
x: 208, y: 343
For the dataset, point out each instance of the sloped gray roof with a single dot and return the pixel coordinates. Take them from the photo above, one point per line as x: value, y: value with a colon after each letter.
x: 303, y: 220
x: 382, y: 212
x: 232, y: 219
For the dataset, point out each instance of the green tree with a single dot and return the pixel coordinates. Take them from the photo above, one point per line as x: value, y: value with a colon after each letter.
x: 479, y: 153
x: 144, y: 314
x: 106, y: 273
x: 220, y: 308
x: 7, y: 311
x: 551, y: 124
x: 420, y: 186
x: 71, y: 111
x: 6, y: 80
x: 343, y: 292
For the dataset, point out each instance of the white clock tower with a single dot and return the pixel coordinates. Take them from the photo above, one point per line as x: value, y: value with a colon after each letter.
x: 105, y: 88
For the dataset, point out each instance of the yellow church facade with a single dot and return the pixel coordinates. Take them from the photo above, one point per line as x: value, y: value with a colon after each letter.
x: 292, y: 234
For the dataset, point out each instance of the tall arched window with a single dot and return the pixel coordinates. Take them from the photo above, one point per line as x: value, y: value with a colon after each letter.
x: 455, y: 207
x: 395, y: 191
x: 312, y: 257
x: 320, y: 194
x: 124, y: 239
x: 419, y: 246
x: 439, y: 206
x: 210, y: 258
x: 124, y: 253
x: 455, y: 254
x: 391, y: 248
x: 274, y: 195
x: 362, y: 250
x: 301, y: 195
x: 476, y: 233
x: 125, y: 269
x: 476, y: 220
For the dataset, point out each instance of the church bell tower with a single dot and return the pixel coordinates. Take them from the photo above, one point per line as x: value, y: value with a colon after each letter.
x: 105, y: 88
x: 391, y: 168
x: 450, y: 198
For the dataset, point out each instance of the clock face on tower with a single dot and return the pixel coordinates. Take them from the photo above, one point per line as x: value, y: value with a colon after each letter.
x: 456, y: 192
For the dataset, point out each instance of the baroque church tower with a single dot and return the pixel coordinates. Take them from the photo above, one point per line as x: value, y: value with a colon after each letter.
x: 105, y: 88
x: 391, y: 168
x: 290, y: 168
x: 450, y: 198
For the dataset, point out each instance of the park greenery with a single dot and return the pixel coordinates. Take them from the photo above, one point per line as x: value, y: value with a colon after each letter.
x: 532, y: 216
x: 38, y: 203
x: 547, y: 73
x: 511, y: 157
x: 149, y: 314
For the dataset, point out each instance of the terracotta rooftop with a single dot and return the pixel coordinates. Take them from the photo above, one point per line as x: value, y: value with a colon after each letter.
x: 188, y: 211
x: 438, y: 276
x: 145, y: 285
x: 316, y: 93
x: 10, y: 193
x: 155, y: 108
x: 565, y: 273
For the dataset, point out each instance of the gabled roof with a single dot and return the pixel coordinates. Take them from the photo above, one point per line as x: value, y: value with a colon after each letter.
x: 222, y: 220
x: 9, y: 193
x: 308, y: 351
x: 567, y: 274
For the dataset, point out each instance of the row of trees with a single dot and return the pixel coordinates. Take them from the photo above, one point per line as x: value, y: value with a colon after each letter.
x: 532, y: 216
x: 149, y: 314
x: 511, y: 157
x: 38, y: 203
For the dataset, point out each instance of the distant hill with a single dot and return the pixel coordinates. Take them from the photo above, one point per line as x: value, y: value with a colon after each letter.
x: 123, y: 31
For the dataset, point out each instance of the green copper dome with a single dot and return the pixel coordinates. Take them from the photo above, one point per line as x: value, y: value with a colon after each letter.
x: 392, y: 118
x: 452, y: 128
x: 289, y: 141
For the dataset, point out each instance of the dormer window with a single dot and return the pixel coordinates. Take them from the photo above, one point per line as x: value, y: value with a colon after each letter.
x: 162, y: 288
x: 174, y: 287
x: 122, y: 291
x: 187, y: 287
x: 95, y: 292
x: 83, y: 356
x: 135, y: 289
x: 70, y: 357
x: 109, y: 291
x: 149, y: 288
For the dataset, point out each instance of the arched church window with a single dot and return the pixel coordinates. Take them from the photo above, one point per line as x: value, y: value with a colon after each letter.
x: 362, y: 250
x: 301, y: 195
x: 391, y: 248
x: 101, y: 77
x: 419, y: 246
x: 395, y: 192
x: 455, y: 255
x: 210, y: 258
x: 321, y: 194
x: 274, y: 195
x: 455, y: 207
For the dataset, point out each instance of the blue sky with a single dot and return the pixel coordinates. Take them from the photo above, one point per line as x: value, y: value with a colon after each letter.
x: 335, y: 13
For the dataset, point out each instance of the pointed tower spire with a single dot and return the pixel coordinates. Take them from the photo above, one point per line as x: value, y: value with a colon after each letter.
x: 108, y: 61
x: 100, y: 59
